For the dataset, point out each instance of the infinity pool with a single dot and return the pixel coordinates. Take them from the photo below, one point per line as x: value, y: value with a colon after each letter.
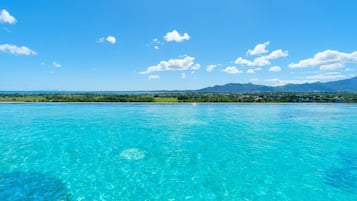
x: 178, y: 152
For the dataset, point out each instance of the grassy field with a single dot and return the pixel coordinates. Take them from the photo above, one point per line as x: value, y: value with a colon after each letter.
x: 26, y: 98
x: 166, y: 100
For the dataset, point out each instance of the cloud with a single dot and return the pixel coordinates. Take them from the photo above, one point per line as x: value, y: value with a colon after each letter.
x: 155, y: 43
x: 262, y: 60
x: 172, y: 65
x: 331, y: 66
x: 327, y: 60
x: 326, y: 76
x: 275, y: 69
x: 151, y: 77
x: 231, y: 70
x: 211, y: 67
x: 57, y: 65
x: 277, y: 54
x: 13, y: 49
x: 196, y: 67
x: 175, y: 36
x: 183, y: 75
x: 254, y: 79
x: 259, y: 49
x: 330, y: 76
x: 109, y: 39
x: 279, y: 82
x: 246, y: 62
x: 250, y: 71
x: 257, y: 69
x: 5, y: 17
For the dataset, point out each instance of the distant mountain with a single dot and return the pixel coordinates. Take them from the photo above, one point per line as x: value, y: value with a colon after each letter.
x: 348, y: 85
x: 237, y: 88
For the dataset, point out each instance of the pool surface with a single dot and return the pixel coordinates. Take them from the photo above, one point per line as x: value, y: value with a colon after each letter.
x: 178, y: 152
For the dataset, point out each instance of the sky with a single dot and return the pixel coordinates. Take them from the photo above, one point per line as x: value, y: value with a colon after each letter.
x: 167, y: 45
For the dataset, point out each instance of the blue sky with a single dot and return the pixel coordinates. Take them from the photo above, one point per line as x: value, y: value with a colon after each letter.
x: 157, y: 44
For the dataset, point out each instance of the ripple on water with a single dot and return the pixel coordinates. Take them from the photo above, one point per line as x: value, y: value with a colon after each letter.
x: 132, y: 154
x: 344, y: 179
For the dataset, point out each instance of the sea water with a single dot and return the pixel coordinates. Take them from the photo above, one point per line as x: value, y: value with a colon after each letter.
x: 178, y: 152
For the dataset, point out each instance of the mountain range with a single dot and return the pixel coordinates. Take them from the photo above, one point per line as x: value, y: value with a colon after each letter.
x: 347, y: 85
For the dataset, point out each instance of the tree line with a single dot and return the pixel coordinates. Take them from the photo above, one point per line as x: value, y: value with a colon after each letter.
x: 187, y: 97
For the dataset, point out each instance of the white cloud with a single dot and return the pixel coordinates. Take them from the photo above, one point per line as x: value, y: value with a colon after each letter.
x: 13, y: 49
x: 109, y: 39
x: 326, y: 76
x: 57, y: 65
x: 276, y: 81
x: 5, y: 17
x: 211, y: 67
x: 155, y: 43
x: 330, y: 76
x: 196, y: 67
x: 183, y: 75
x: 175, y: 36
x: 275, y: 69
x: 327, y: 60
x: 172, y: 65
x: 279, y: 82
x: 331, y: 66
x: 231, y: 70
x: 242, y: 61
x: 277, y: 54
x: 254, y: 79
x: 250, y: 71
x: 262, y: 60
x: 151, y: 77
x: 257, y: 69
x: 259, y: 49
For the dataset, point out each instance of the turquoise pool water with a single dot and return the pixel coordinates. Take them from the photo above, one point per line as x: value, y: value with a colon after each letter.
x: 178, y: 152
